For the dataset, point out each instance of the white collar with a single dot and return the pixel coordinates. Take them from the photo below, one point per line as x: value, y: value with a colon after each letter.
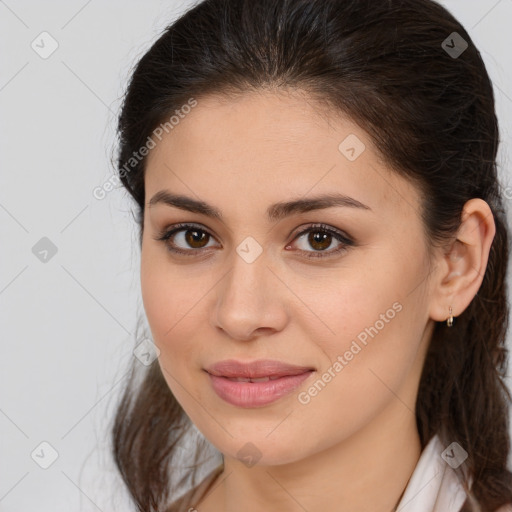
x: 434, y: 486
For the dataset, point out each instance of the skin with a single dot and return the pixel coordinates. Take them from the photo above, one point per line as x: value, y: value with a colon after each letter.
x: 354, y: 446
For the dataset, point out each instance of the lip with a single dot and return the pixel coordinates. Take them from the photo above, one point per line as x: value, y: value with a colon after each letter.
x: 280, y: 380
x: 255, y: 369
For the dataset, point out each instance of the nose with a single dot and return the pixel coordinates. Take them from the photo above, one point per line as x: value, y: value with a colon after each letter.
x: 251, y: 300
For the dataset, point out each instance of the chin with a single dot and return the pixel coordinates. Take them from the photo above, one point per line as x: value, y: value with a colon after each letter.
x: 260, y: 451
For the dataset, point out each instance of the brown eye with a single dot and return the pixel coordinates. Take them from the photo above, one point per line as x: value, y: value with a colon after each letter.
x: 185, y: 239
x: 319, y: 240
x: 196, y: 238
x: 190, y: 240
x: 320, y: 237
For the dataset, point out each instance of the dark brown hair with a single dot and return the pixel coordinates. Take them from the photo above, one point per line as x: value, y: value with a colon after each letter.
x: 430, y: 114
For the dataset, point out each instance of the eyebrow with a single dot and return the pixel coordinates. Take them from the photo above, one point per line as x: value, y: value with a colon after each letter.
x: 274, y: 212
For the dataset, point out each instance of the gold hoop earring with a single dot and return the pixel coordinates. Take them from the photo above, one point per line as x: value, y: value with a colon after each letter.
x: 449, y: 321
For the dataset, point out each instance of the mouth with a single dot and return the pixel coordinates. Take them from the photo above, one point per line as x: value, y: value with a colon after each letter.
x: 259, y: 379
x: 254, y: 370
x: 257, y: 383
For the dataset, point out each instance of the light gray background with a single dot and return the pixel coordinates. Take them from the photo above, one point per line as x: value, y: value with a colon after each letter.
x: 68, y: 324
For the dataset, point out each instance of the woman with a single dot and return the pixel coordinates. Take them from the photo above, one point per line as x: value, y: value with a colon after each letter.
x: 323, y: 263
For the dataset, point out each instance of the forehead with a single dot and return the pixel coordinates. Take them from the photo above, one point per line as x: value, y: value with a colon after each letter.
x: 262, y: 147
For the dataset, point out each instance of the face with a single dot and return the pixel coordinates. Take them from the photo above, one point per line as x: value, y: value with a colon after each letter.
x: 341, y: 291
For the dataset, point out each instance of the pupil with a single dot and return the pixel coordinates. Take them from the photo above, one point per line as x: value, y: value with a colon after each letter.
x: 321, y: 239
x: 196, y: 236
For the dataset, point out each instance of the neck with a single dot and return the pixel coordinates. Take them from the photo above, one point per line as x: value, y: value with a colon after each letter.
x: 367, y: 472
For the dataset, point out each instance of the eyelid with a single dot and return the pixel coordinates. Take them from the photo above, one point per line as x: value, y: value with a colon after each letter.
x: 167, y: 232
x: 346, y: 240
x: 304, y: 228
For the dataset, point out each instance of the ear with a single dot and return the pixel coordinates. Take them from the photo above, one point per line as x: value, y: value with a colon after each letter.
x: 460, y: 269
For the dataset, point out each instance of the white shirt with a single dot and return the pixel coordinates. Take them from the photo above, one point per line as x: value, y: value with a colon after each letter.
x: 434, y: 486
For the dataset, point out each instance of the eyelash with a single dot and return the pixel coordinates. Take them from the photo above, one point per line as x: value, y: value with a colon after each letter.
x: 165, y: 235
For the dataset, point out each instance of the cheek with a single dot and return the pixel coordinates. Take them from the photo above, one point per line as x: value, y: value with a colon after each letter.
x: 163, y: 297
x: 367, y: 364
x: 158, y: 299
x: 174, y: 305
x: 169, y: 306
x: 371, y: 325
